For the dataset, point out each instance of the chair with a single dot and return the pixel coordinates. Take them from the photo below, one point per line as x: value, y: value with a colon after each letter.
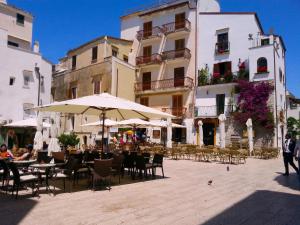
x: 59, y: 157
x: 117, y: 165
x: 4, y: 173
x: 142, y: 166
x: 129, y: 160
x: 102, y: 171
x: 19, y: 180
x: 158, y: 162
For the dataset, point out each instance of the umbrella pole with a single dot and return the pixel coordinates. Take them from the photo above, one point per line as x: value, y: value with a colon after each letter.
x: 103, y: 124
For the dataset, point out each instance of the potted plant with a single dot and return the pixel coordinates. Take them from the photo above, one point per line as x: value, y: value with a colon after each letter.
x: 68, y: 140
x: 216, y: 78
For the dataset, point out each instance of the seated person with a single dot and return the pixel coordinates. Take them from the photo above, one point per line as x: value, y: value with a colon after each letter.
x: 27, y: 154
x: 5, y: 153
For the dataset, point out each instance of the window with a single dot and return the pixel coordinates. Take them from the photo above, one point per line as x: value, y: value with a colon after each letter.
x: 115, y: 51
x: 97, y: 87
x: 20, y: 19
x: 222, y: 45
x: 280, y: 75
x: 14, y: 44
x: 125, y: 58
x: 262, y: 65
x: 179, y: 46
x: 293, y: 105
x: 147, y: 29
x: 94, y: 54
x: 179, y: 77
x: 222, y: 69
x: 265, y: 41
x: 11, y: 81
x: 28, y: 111
x: 179, y: 21
x: 72, y: 120
x: 73, y: 92
x: 220, y: 103
x: 144, y: 101
x: 156, y: 134
x: 74, y: 62
x: 26, y: 80
x: 177, y: 103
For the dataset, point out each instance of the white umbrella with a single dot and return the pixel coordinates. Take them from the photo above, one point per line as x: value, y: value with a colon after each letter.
x: 169, y: 133
x: 135, y: 123
x: 250, y: 134
x: 107, y: 123
x: 200, y: 124
x: 53, y: 143
x: 38, y: 138
x: 32, y: 122
x: 222, y: 119
x: 163, y: 123
x: 105, y: 105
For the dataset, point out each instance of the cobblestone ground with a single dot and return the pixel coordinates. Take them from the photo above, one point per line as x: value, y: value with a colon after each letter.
x: 250, y: 194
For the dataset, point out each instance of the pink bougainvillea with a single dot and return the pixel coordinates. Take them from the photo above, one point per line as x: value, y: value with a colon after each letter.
x: 253, y: 103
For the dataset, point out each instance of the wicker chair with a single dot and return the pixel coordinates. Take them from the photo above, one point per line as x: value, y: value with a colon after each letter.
x: 102, y: 171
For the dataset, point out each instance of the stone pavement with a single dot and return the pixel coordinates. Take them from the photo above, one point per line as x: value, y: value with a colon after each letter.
x: 251, y: 194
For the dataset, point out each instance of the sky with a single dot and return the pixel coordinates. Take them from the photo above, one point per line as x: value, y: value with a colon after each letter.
x: 60, y: 25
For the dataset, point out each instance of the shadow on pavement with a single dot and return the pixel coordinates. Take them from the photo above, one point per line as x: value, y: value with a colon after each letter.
x: 261, y: 208
x: 292, y: 181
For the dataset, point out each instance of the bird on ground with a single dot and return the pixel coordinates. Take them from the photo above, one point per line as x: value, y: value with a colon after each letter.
x: 210, y: 182
x: 228, y: 168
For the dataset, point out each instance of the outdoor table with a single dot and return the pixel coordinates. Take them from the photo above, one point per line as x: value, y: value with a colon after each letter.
x: 44, y: 169
x: 24, y: 162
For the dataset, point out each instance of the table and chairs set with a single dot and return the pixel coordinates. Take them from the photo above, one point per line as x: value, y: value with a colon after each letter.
x: 61, y: 168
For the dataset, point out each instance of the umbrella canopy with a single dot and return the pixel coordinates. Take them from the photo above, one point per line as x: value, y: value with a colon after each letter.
x: 32, y: 122
x: 163, y: 123
x: 134, y: 123
x: 53, y: 143
x: 250, y: 134
x: 222, y: 119
x: 112, y: 106
x: 107, y: 123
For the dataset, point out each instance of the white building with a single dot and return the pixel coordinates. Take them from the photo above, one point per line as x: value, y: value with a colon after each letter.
x: 226, y: 43
x: 25, y: 76
x: 293, y: 106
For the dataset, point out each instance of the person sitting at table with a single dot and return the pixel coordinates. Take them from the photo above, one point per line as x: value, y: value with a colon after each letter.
x: 27, y: 154
x: 5, y: 153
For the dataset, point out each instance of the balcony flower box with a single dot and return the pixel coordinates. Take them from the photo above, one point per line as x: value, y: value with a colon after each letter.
x: 262, y: 69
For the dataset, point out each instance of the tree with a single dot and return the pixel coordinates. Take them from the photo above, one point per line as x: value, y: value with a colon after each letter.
x: 293, y: 126
x: 253, y: 103
x: 69, y: 140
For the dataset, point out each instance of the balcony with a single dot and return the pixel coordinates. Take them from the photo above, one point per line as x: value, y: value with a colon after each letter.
x: 228, y: 78
x: 165, y: 85
x: 146, y: 60
x: 149, y: 34
x: 222, y: 48
x: 178, y: 112
x: 214, y: 111
x: 176, y: 27
x: 176, y: 54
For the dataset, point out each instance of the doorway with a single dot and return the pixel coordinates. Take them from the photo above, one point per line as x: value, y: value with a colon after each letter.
x: 209, y: 134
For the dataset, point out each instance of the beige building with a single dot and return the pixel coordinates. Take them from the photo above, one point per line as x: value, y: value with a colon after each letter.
x: 98, y: 66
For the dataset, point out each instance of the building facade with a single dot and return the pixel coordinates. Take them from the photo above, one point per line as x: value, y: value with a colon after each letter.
x: 25, y: 74
x: 293, y: 106
x: 98, y: 66
x: 228, y: 44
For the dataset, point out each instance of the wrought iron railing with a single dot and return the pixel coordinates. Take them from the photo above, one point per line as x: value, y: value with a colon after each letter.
x: 178, y: 112
x: 174, y: 54
x: 176, y: 26
x: 152, y: 59
x: 222, y: 47
x: 185, y: 82
x: 147, y: 34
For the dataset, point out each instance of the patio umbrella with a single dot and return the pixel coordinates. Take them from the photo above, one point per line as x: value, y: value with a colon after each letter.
x: 105, y: 105
x: 38, y: 138
x: 163, y: 123
x: 107, y: 123
x: 53, y: 143
x: 250, y: 134
x: 222, y: 119
x: 169, y: 133
x: 200, y: 124
x: 32, y: 122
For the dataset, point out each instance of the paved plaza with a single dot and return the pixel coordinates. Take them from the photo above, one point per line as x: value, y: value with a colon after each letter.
x: 253, y: 193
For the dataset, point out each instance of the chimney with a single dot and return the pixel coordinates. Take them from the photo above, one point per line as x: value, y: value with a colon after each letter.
x: 36, y: 46
x: 3, y: 1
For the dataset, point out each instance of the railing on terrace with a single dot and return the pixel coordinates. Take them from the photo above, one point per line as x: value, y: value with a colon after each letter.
x: 176, y: 26
x: 222, y: 47
x: 178, y: 112
x: 152, y: 59
x: 227, y: 78
x: 147, y: 34
x: 214, y: 110
x: 185, y: 82
x: 174, y: 54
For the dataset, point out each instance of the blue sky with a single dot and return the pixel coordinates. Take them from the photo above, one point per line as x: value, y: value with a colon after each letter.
x: 64, y: 24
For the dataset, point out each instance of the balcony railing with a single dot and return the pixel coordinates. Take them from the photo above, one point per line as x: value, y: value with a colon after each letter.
x: 214, y: 111
x: 178, y: 112
x: 174, y: 54
x: 152, y: 59
x: 147, y: 34
x: 176, y: 27
x: 185, y: 82
x: 222, y: 47
x: 227, y: 78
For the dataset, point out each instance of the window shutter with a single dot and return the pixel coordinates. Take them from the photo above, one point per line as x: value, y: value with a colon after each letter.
x: 216, y: 68
x: 228, y: 67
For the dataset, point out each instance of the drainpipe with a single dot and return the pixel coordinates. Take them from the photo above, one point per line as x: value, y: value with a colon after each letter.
x: 275, y: 77
x: 37, y: 70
